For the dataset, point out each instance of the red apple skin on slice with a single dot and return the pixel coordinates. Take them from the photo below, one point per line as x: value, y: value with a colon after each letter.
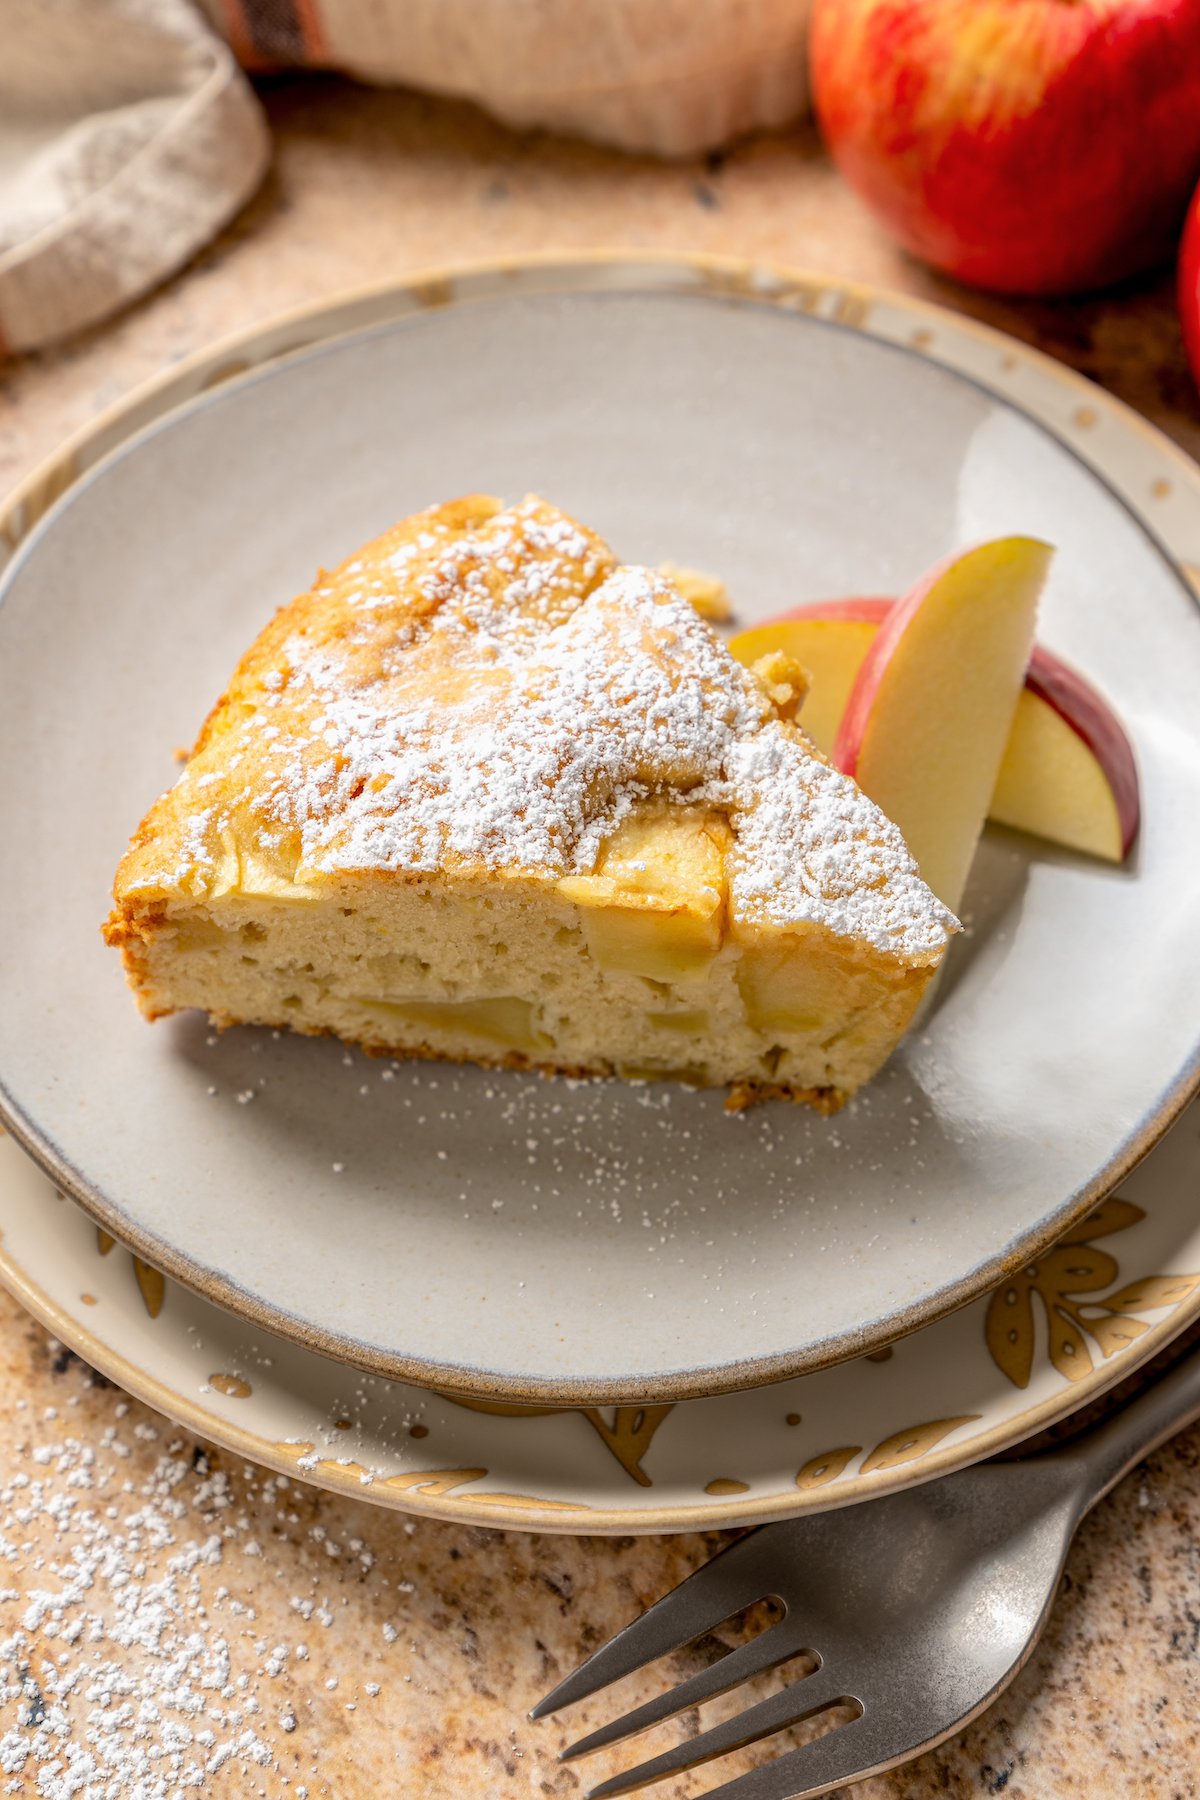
x: 932, y: 705
x: 1068, y: 773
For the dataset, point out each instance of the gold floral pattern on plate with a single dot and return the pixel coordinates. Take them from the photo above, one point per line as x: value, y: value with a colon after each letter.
x: 151, y: 1282
x: 1066, y: 1281
x: 628, y: 1432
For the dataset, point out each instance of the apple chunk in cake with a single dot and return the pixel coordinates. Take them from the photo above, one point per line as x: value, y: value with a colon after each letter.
x: 485, y: 794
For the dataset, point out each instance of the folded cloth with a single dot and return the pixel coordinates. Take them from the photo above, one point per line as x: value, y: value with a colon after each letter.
x: 129, y: 136
x: 672, y: 77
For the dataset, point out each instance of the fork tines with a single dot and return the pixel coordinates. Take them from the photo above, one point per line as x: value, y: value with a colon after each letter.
x: 734, y: 1580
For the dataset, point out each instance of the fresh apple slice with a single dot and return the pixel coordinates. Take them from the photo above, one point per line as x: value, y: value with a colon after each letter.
x: 1068, y: 773
x: 932, y: 705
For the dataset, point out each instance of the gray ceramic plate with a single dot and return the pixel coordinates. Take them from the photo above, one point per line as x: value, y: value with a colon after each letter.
x: 499, y: 1234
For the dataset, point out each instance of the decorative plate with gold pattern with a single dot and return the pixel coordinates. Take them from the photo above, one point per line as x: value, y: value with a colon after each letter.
x: 573, y: 1244
x: 1117, y: 1290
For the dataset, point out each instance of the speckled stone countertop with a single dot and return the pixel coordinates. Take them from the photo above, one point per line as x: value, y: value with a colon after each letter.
x: 173, y: 1620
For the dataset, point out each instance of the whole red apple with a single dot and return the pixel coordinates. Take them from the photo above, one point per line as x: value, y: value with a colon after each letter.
x: 1189, y: 285
x: 1029, y: 146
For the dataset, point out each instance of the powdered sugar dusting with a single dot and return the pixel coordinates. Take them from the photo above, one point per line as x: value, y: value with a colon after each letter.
x: 504, y: 695
x: 126, y: 1663
x: 174, y: 1622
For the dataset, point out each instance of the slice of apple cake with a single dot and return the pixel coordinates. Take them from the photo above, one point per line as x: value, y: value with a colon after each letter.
x: 484, y: 794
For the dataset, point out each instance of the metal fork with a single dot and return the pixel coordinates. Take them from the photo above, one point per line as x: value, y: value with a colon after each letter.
x: 917, y: 1610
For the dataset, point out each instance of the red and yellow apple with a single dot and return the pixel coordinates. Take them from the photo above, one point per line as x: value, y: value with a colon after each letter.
x: 1189, y: 285
x: 1028, y: 146
x: 1068, y: 772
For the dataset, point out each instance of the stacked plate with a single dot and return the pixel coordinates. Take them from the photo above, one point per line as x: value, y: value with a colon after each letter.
x: 594, y: 1306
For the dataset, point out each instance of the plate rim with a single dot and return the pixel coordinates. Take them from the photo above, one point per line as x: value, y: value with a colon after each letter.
x: 530, y: 1513
x: 28, y: 514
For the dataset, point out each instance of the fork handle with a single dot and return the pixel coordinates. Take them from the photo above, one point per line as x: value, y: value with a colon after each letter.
x: 1109, y: 1450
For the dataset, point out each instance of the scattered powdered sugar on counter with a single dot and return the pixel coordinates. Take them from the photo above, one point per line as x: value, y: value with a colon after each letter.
x: 133, y: 1661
